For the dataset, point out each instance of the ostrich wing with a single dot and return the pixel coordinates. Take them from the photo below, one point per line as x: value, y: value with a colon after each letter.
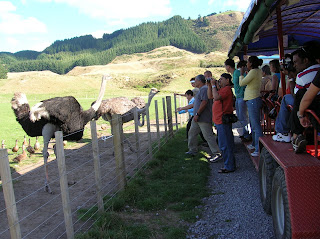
x: 139, y: 102
x: 64, y: 112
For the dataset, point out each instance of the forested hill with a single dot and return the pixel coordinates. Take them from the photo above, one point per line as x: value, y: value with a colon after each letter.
x: 204, y: 34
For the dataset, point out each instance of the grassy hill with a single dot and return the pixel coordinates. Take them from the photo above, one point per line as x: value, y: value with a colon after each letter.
x: 167, y: 68
x: 203, y: 35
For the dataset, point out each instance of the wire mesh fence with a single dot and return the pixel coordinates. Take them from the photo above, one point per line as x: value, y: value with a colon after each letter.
x: 27, y: 211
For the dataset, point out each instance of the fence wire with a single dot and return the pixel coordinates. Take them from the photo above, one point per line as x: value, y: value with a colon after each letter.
x: 110, y: 187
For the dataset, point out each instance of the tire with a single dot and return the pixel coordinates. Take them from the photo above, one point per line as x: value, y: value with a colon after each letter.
x: 267, y: 167
x: 280, y: 206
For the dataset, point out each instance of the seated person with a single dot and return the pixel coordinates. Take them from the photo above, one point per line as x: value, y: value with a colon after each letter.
x: 305, y: 62
x: 266, y: 82
x: 310, y: 100
x: 281, y: 125
x: 275, y: 69
x: 289, y: 70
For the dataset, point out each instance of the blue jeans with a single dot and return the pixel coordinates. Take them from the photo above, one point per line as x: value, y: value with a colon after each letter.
x: 282, y: 120
x: 254, y: 107
x: 226, y: 145
x: 242, y: 113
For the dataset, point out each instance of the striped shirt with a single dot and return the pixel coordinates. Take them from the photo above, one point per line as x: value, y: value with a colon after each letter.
x: 305, y: 78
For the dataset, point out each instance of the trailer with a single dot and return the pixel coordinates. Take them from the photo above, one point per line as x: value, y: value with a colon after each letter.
x: 289, y: 182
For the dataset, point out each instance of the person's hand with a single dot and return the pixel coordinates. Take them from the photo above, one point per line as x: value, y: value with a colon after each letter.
x: 213, y: 81
x: 178, y: 109
x: 305, y: 122
x: 195, y: 118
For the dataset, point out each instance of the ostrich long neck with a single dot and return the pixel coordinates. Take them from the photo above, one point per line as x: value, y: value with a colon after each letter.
x: 90, y: 113
x: 150, y: 96
x: 143, y: 110
x: 97, y: 104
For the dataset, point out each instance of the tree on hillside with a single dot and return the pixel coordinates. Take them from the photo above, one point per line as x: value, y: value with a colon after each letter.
x: 3, y: 71
x: 206, y: 21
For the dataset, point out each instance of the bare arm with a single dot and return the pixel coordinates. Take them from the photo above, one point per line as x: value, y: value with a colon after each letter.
x: 187, y: 107
x: 209, y: 91
x: 305, y: 102
x: 292, y: 84
x: 275, y: 83
x: 215, y: 93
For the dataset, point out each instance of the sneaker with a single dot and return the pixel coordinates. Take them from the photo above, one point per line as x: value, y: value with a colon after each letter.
x: 191, y: 153
x: 215, y: 158
x: 282, y: 137
x: 299, y: 144
x: 255, y: 154
x: 251, y: 147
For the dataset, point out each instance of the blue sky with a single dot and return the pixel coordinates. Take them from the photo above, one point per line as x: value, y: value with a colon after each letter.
x: 36, y: 24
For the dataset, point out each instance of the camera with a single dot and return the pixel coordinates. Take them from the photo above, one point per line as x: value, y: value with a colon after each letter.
x: 287, y: 63
x: 208, y: 80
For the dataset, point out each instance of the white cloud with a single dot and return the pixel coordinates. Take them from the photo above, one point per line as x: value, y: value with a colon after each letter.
x: 99, y: 33
x: 237, y: 5
x: 11, y: 23
x: 39, y: 45
x: 120, y: 9
x: 11, y: 42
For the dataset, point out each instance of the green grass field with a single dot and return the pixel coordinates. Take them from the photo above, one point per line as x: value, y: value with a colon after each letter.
x: 159, y: 202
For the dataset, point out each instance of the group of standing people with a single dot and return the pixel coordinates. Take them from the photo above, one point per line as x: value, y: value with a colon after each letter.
x: 211, y: 99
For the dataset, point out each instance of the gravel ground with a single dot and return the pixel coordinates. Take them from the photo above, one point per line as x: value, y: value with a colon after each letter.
x: 233, y: 210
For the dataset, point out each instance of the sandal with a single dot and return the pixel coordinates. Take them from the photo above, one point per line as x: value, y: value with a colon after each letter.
x: 223, y: 170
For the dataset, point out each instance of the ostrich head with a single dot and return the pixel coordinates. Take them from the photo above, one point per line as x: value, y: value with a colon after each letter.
x: 152, y: 93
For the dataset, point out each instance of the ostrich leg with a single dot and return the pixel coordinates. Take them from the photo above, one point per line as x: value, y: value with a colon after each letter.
x: 47, y: 133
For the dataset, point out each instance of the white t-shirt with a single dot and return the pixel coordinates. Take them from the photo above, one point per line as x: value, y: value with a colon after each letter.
x: 304, y: 78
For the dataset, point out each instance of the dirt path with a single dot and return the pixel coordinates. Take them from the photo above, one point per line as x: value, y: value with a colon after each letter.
x: 40, y: 213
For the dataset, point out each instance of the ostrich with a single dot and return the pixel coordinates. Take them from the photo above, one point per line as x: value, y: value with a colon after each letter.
x: 125, y: 107
x: 51, y: 115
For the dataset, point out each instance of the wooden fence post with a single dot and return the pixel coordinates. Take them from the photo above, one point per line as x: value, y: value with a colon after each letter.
x: 169, y: 113
x: 96, y: 164
x: 9, y: 198
x: 149, y: 132
x: 117, y: 130
x: 175, y: 110
x: 181, y: 115
x: 186, y: 116
x: 64, y: 185
x: 165, y: 118
x: 157, y: 122
x: 136, y: 132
